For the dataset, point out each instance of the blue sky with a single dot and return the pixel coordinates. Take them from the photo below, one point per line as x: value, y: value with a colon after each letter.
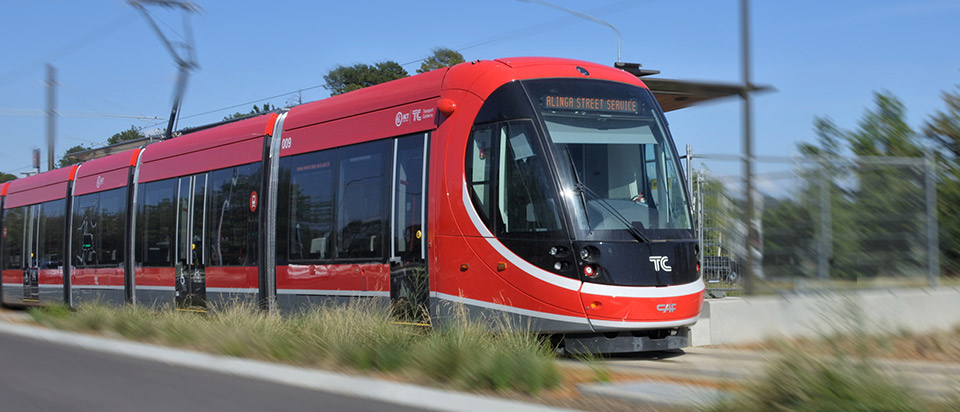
x: 825, y: 58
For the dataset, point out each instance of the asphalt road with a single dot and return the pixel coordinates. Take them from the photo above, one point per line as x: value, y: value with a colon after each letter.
x: 42, y: 376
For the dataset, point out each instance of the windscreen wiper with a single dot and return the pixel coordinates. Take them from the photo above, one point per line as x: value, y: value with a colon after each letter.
x: 583, y: 189
x: 613, y: 211
x: 579, y: 184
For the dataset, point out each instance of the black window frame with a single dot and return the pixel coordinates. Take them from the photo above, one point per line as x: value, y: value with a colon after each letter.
x: 246, y: 237
x: 492, y: 215
x: 141, y: 232
x: 11, y: 238
x: 335, y: 156
x: 113, y: 229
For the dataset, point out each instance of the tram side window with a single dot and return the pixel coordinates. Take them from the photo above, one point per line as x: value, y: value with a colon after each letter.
x: 98, y: 227
x: 479, y: 169
x: 361, y: 200
x: 86, y: 225
x: 232, y: 221
x: 50, y: 234
x: 156, y: 214
x: 526, y: 199
x: 309, y: 209
x: 13, y: 224
x: 509, y: 181
x: 409, y: 197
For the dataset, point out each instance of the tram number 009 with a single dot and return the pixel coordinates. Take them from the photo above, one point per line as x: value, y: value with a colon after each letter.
x: 286, y: 143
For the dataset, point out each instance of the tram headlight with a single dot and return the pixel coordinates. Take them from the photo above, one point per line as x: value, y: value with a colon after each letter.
x: 591, y: 271
x: 584, y: 254
x: 557, y: 251
x: 589, y: 253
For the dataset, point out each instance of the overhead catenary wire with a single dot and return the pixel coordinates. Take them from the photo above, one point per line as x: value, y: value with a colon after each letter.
x: 538, y: 28
x: 17, y: 112
x: 67, y: 48
x: 512, y: 35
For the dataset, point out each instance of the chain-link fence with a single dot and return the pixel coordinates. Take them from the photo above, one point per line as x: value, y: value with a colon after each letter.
x: 823, y: 223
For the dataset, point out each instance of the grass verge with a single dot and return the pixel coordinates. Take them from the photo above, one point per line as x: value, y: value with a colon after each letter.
x: 465, y: 354
x: 837, y: 373
x: 800, y: 382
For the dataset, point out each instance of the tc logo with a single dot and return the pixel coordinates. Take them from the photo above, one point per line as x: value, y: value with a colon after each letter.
x: 667, y: 307
x: 660, y: 263
x: 99, y: 181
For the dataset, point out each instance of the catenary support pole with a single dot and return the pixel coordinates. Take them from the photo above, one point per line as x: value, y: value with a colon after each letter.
x: 51, y: 113
x: 933, y: 236
x: 748, y: 216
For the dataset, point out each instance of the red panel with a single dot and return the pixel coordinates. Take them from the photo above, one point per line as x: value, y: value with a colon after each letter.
x: 96, y: 277
x: 378, y: 277
x: 387, y: 95
x: 50, y: 277
x: 113, y: 169
x: 485, y: 273
x: 271, y: 123
x: 154, y: 276
x: 450, y: 144
x: 360, y: 277
x: 12, y: 276
x: 232, y: 277
x: 481, y: 282
x: 406, y: 119
x: 626, y: 309
x: 235, y: 154
x: 36, y: 195
x: 3, y: 190
x: 207, y: 139
x: 108, y: 180
x: 39, y: 188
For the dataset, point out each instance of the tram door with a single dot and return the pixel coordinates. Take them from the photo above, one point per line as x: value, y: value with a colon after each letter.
x: 409, y: 281
x: 191, y: 290
x: 31, y: 271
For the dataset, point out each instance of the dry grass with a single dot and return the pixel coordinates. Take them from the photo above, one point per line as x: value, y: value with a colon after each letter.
x: 359, y: 336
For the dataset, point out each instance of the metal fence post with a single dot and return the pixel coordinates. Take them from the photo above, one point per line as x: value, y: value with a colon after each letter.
x: 933, y: 237
x: 700, y: 205
x: 689, y: 157
x: 825, y: 240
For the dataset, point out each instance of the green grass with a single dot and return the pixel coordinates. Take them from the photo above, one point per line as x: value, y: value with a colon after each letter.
x: 361, y: 336
x: 799, y: 382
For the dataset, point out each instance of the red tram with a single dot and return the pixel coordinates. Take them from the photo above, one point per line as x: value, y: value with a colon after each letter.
x: 546, y: 189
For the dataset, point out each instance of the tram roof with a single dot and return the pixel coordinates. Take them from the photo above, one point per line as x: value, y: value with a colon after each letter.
x: 671, y: 94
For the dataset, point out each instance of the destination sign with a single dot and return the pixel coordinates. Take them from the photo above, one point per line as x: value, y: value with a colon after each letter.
x: 589, y: 103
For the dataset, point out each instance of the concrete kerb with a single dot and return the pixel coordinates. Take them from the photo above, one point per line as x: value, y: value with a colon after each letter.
x: 657, y: 393
x: 360, y: 387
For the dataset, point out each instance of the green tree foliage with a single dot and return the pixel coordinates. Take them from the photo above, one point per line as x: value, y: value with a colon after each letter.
x: 256, y: 110
x: 873, y: 209
x: 943, y: 130
x: 442, y: 57
x: 67, y: 161
x: 345, y: 79
x: 6, y: 177
x: 130, y: 134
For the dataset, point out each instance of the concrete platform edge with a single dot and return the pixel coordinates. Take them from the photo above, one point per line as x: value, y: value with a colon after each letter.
x: 754, y: 319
